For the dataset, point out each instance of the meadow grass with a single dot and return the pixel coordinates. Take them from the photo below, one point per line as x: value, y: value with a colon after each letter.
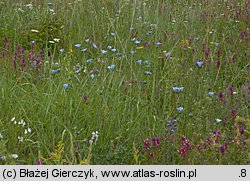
x: 162, y: 82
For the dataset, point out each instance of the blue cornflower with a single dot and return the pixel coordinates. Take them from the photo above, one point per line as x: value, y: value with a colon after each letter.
x: 77, y: 45
x: 65, y: 86
x: 103, y: 51
x: 218, y: 120
x: 88, y: 60
x: 84, y: 50
x: 179, y: 109
x: 55, y: 71
x: 139, y: 62
x: 158, y: 43
x: 137, y: 42
x: 199, y: 64
x: 211, y: 94
x: 94, y: 45
x: 178, y: 89
x: 148, y: 73
x: 111, y: 67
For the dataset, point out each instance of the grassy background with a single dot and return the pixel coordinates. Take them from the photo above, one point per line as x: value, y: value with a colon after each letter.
x: 124, y: 105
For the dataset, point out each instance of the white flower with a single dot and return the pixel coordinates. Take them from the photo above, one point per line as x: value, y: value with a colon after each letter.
x: 15, y: 156
x: 1, y: 136
x: 52, y: 42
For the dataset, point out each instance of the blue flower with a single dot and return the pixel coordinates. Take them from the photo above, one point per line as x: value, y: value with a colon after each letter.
x: 77, y: 45
x: 148, y: 73
x: 55, y: 71
x: 132, y: 52
x: 103, y: 51
x: 87, y: 40
x: 61, y: 50
x: 94, y: 45
x: 179, y: 109
x: 158, y: 43
x: 111, y: 67
x: 84, y: 50
x: 139, y: 62
x: 113, y: 50
x: 216, y: 44
x: 199, y: 64
x: 218, y: 120
x: 65, y: 86
x: 92, y: 76
x: 211, y: 94
x: 88, y: 60
x: 178, y: 89
x: 137, y: 42
x: 109, y: 47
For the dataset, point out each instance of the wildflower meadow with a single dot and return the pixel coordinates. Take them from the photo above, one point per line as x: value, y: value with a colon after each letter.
x: 124, y: 82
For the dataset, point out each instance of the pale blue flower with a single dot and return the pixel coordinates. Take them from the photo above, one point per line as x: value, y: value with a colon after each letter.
x: 77, y: 45
x: 137, y: 42
x: 178, y: 89
x: 139, y: 62
x: 158, y: 43
x: 113, y: 50
x: 87, y: 40
x: 132, y: 52
x: 88, y: 60
x: 92, y: 76
x: 103, y: 51
x: 199, y: 64
x: 216, y: 44
x: 65, y: 86
x: 148, y: 73
x: 84, y: 50
x: 61, y: 50
x: 55, y: 71
x: 211, y: 94
x: 94, y: 45
x: 218, y: 120
x: 179, y: 109
x: 111, y: 67
x: 109, y: 47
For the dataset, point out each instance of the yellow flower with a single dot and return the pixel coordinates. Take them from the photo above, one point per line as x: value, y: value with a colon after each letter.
x: 70, y: 51
x: 184, y: 42
x: 139, y: 48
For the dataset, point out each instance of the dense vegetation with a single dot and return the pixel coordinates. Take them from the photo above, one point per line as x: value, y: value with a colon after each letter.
x: 124, y: 82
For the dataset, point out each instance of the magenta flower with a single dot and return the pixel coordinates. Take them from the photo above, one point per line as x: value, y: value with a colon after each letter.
x: 233, y: 113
